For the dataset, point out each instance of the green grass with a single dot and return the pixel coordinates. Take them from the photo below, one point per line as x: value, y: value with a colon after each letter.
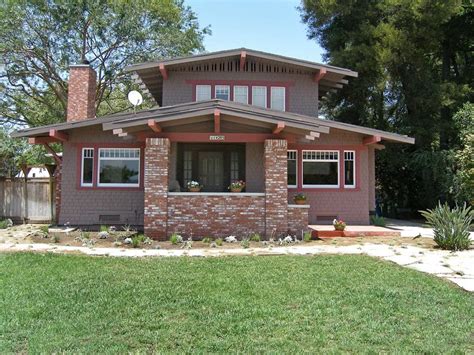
x: 60, y: 303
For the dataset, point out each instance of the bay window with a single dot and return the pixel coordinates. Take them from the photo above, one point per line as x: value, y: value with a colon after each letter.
x: 119, y: 167
x: 277, y: 101
x: 259, y: 96
x: 292, y: 168
x: 349, y: 169
x: 321, y: 168
x: 87, y: 166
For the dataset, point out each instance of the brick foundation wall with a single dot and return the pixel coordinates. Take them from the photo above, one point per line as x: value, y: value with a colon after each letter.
x: 157, y: 153
x: 297, y: 219
x: 199, y: 215
x: 276, y: 191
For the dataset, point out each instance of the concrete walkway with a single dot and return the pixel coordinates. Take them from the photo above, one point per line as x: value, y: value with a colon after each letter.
x: 457, y: 267
x: 412, y: 229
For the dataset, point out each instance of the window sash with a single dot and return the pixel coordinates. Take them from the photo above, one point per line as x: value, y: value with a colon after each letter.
x: 277, y: 100
x: 87, y: 154
x: 222, y: 90
x: 241, y: 94
x: 118, y: 154
x: 292, y: 155
x: 349, y: 157
x: 259, y: 96
x: 203, y: 92
x: 321, y: 156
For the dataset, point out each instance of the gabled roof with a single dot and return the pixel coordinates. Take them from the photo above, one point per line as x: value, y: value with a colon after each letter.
x: 150, y: 74
x: 195, y: 109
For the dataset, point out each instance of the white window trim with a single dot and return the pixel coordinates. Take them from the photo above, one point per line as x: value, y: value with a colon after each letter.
x: 242, y: 86
x: 321, y: 160
x: 353, y: 186
x: 87, y: 184
x: 105, y: 184
x: 210, y: 91
x: 221, y: 86
x: 284, y: 96
x: 296, y: 151
x: 266, y: 95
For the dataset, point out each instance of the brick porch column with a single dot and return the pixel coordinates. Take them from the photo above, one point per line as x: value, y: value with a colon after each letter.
x: 155, y: 219
x: 276, y: 190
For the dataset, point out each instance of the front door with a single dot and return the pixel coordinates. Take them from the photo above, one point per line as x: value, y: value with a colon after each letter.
x: 211, y: 171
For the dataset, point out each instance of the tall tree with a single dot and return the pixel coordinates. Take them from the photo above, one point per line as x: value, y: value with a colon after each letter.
x: 414, y: 59
x: 39, y: 39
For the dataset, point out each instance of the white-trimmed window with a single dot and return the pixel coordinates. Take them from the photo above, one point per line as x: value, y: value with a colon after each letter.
x: 241, y: 94
x: 321, y: 168
x: 277, y: 101
x: 349, y: 169
x: 119, y: 167
x: 222, y: 92
x: 87, y: 166
x: 292, y: 171
x: 203, y: 92
x: 259, y: 96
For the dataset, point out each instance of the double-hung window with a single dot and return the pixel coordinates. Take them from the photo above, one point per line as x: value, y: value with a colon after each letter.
x: 222, y: 92
x: 349, y: 169
x: 292, y: 169
x: 277, y: 101
x: 259, y: 96
x: 119, y: 167
x: 321, y: 168
x: 87, y: 166
x: 203, y: 92
x: 241, y: 94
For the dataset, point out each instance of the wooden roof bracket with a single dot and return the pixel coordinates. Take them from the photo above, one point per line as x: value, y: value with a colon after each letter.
x: 243, y: 56
x: 371, y: 140
x: 155, y: 127
x: 279, y: 128
x: 319, y: 75
x: 217, y: 121
x: 163, y: 71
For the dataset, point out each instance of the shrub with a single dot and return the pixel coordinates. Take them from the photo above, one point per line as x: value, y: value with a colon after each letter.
x: 3, y: 224
x: 55, y: 238
x: 219, y: 242
x: 136, y: 240
x: 307, y: 236
x: 86, y: 235
x: 44, y: 229
x: 207, y: 240
x: 104, y: 228
x: 450, y: 226
x: 255, y: 237
x: 378, y: 221
x: 176, y: 238
x: 245, y: 243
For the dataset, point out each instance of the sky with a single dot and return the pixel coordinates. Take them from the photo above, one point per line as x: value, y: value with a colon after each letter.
x: 268, y: 25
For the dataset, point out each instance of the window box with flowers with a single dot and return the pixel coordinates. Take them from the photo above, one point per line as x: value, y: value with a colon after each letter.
x: 237, y: 186
x: 194, y: 186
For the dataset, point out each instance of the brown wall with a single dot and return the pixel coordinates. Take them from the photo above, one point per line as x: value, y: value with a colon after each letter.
x: 303, y: 95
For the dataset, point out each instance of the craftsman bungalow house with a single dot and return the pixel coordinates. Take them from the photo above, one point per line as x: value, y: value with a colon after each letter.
x: 232, y: 115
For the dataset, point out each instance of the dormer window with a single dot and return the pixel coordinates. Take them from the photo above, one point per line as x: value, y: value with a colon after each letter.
x: 259, y: 96
x: 277, y: 101
x: 222, y: 92
x: 203, y: 92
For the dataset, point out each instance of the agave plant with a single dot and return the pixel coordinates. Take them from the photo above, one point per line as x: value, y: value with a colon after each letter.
x: 450, y: 226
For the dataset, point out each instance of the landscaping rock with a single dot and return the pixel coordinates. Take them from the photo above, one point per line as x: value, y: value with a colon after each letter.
x: 112, y: 229
x: 127, y: 241
x: 231, y: 239
x: 213, y: 245
x: 103, y: 235
x: 9, y: 223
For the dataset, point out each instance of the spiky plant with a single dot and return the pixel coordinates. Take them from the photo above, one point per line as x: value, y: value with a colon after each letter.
x: 450, y: 226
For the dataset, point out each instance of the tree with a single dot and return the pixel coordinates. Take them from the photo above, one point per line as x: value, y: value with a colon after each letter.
x: 414, y: 59
x: 40, y: 39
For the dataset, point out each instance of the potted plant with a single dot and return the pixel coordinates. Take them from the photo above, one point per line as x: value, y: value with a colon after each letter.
x: 237, y: 186
x: 339, y: 224
x: 194, y: 186
x: 300, y: 198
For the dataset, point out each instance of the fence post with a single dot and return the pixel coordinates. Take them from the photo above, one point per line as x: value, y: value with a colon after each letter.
x: 26, y: 170
x: 51, y: 169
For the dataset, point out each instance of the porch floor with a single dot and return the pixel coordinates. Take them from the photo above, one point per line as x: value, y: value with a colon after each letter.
x: 327, y: 231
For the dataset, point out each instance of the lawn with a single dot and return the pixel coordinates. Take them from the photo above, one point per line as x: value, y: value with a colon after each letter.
x: 66, y: 303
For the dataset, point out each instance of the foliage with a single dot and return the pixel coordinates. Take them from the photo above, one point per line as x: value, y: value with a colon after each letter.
x: 40, y: 39
x: 450, y: 226
x: 207, y: 240
x: 176, y: 238
x: 245, y: 243
x: 3, y: 224
x: 377, y: 221
x: 307, y: 236
x: 414, y: 59
x: 219, y: 242
x: 255, y: 237
x: 236, y: 185
x: 104, y: 228
x: 194, y: 185
x: 300, y: 197
x: 55, y: 238
x: 339, y: 224
x: 44, y: 229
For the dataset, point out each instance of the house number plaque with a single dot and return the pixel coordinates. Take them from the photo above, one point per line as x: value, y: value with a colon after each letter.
x: 217, y: 138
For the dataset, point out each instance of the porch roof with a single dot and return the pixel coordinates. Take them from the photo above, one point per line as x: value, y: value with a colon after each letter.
x: 133, y: 120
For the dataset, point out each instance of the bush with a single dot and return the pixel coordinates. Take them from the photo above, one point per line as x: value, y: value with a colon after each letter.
x: 219, y: 242
x: 378, y: 221
x: 176, y: 238
x: 3, y: 224
x: 307, y: 236
x: 255, y: 237
x: 104, y: 228
x: 44, y: 229
x: 450, y: 226
x: 207, y: 240
x: 55, y: 238
x: 245, y: 243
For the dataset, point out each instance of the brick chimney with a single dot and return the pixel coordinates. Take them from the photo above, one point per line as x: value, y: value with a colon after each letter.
x: 81, y: 92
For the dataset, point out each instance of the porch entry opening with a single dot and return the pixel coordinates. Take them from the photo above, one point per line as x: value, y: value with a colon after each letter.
x: 213, y: 165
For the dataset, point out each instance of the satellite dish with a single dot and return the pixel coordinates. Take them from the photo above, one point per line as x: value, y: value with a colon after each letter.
x: 135, y: 98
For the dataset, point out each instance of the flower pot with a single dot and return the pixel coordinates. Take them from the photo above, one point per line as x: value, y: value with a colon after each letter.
x: 236, y: 189
x: 194, y: 189
x: 300, y: 202
x: 339, y: 228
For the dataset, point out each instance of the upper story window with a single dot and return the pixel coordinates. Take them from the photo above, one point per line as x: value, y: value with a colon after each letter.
x: 292, y: 158
x: 277, y: 101
x: 321, y: 168
x: 349, y: 169
x: 119, y: 167
x: 203, y: 92
x: 222, y: 92
x: 259, y: 96
x: 241, y: 94
x: 87, y: 166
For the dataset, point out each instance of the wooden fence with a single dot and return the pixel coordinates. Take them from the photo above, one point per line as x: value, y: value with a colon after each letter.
x: 39, y: 206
